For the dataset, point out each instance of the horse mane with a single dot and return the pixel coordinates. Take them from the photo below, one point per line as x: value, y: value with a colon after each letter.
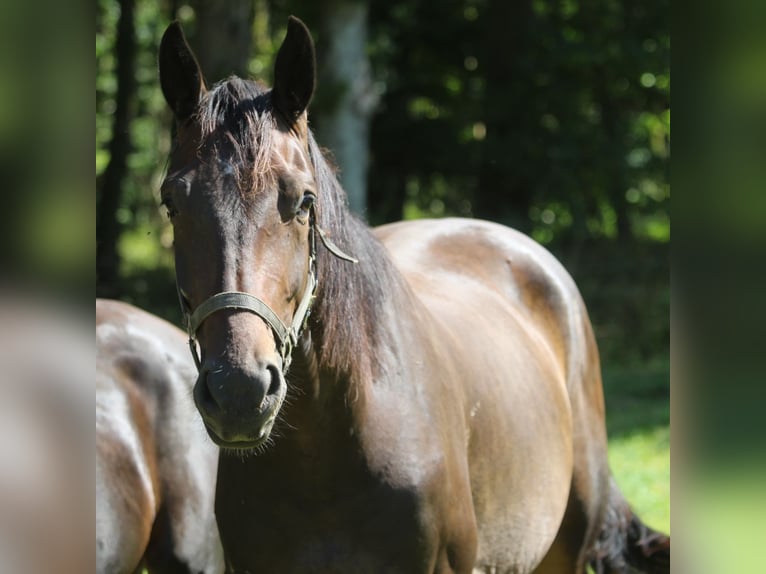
x: 350, y: 296
x: 239, y: 115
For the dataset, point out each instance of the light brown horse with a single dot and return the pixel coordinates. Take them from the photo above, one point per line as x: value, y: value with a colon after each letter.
x: 155, y: 467
x: 435, y: 406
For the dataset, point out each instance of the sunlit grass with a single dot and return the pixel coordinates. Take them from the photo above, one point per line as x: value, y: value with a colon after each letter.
x: 724, y: 511
x: 641, y: 466
x: 638, y: 423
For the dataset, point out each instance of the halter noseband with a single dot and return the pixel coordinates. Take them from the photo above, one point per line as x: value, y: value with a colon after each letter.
x: 286, y: 337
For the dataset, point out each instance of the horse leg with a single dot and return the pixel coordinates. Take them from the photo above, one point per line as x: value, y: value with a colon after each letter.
x: 161, y: 553
x: 614, y: 539
x: 588, y: 499
x: 563, y: 557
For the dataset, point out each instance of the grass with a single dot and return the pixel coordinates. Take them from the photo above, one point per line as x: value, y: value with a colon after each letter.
x: 723, y: 511
x: 721, y: 500
x: 638, y: 423
x: 641, y: 466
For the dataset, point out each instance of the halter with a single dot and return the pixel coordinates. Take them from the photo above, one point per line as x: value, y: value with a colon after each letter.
x: 286, y: 337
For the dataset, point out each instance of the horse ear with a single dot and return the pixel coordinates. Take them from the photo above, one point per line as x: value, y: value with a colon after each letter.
x: 294, y: 71
x: 180, y: 75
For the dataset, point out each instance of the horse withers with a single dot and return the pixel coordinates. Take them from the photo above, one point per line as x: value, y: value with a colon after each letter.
x: 155, y: 466
x: 423, y: 397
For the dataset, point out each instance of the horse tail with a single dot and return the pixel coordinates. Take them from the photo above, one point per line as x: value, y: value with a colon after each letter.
x: 625, y: 544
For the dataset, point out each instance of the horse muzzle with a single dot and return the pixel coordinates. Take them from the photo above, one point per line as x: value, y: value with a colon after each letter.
x: 238, y: 406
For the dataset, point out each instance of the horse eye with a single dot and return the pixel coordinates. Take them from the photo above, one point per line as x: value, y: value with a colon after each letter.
x: 173, y: 187
x: 306, y: 203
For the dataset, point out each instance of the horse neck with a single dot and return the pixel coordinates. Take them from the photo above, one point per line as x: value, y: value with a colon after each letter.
x: 355, y: 301
x: 353, y: 326
x: 341, y: 354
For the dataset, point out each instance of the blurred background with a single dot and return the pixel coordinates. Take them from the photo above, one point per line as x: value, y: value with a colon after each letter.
x: 550, y: 116
x: 564, y: 105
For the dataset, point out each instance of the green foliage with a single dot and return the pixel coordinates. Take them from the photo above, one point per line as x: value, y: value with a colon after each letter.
x: 150, y: 125
x: 587, y: 111
x: 551, y: 117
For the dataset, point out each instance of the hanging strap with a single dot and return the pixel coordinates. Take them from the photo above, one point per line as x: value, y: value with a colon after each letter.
x: 331, y: 247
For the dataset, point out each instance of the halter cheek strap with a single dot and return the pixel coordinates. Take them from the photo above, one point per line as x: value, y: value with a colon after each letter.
x: 286, y: 337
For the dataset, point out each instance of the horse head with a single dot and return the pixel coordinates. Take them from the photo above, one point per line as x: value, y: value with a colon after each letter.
x: 241, y: 194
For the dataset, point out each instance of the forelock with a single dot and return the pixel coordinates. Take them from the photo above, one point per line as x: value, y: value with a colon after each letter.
x: 237, y: 125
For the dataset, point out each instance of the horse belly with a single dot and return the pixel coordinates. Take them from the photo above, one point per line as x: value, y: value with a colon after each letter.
x: 519, y: 430
x: 521, y: 460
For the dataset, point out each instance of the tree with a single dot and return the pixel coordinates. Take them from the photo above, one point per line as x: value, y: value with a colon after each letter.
x: 110, y: 186
x: 222, y: 36
x: 343, y: 116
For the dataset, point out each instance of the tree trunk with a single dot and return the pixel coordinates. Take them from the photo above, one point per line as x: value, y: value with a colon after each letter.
x: 109, y: 195
x: 223, y: 37
x: 347, y: 97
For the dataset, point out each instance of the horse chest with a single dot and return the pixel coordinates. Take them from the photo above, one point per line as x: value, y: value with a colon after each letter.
x: 386, y: 530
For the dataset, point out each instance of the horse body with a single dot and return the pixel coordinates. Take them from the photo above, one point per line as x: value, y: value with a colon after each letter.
x: 440, y: 408
x: 155, y: 468
x: 431, y: 430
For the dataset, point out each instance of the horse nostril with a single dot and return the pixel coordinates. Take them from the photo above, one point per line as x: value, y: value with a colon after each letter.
x: 202, y: 391
x: 275, y: 383
x: 233, y: 389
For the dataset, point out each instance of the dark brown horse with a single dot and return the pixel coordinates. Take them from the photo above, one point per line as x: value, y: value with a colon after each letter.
x: 435, y: 406
x: 155, y: 467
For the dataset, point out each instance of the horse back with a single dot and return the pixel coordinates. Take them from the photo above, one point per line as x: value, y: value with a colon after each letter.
x: 457, y: 259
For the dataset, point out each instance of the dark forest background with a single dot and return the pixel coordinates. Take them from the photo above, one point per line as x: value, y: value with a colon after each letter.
x: 551, y: 117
